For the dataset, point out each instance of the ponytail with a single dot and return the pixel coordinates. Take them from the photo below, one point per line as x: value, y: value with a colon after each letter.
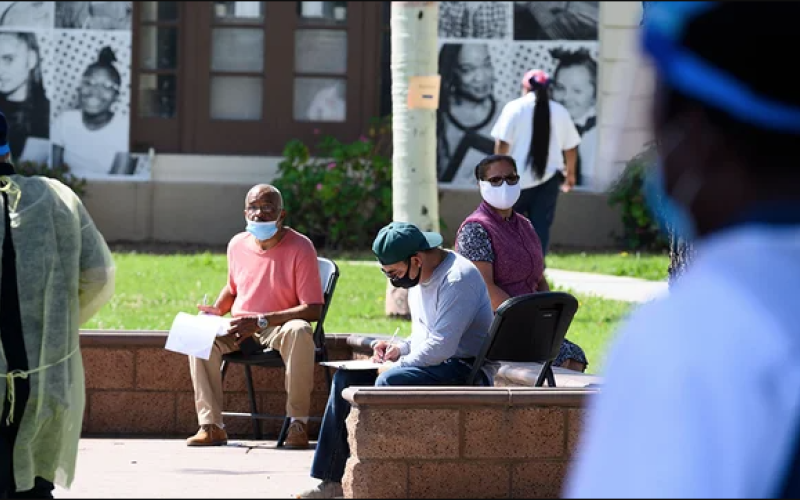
x: 540, y: 142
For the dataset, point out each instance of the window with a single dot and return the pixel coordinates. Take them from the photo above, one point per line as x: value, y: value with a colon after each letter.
x: 320, y: 62
x: 155, y: 69
x: 247, y: 77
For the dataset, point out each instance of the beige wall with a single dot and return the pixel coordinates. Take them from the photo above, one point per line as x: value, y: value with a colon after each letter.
x: 210, y: 213
x: 199, y: 199
x: 625, y: 89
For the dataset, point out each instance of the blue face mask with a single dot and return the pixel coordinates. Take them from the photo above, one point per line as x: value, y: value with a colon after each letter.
x: 670, y: 214
x: 262, y: 230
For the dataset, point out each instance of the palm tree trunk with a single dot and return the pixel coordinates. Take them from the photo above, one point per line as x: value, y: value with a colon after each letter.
x: 415, y: 196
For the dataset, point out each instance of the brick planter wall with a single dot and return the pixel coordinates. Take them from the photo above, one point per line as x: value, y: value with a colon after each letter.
x: 134, y: 387
x: 461, y: 442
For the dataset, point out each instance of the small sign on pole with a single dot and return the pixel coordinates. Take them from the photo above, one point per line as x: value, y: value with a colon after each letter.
x: 423, y: 92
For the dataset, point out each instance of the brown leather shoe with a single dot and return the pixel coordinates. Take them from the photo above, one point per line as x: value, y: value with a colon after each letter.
x: 297, y: 435
x: 209, y: 435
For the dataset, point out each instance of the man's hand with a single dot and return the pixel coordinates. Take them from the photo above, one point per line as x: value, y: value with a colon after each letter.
x: 243, y: 327
x: 382, y: 351
x: 569, y: 182
x: 209, y: 310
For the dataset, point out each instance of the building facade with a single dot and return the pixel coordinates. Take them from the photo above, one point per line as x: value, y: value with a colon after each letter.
x: 172, y: 110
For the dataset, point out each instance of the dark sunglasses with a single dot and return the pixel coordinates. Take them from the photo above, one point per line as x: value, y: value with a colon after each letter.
x: 510, y: 180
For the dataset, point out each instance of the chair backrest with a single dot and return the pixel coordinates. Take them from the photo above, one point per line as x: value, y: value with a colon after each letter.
x: 329, y: 275
x: 528, y: 328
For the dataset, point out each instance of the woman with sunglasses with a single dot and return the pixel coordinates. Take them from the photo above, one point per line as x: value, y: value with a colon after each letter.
x: 504, y: 246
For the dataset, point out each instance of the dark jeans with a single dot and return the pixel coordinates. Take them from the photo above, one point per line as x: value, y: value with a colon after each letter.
x: 539, y: 205
x: 332, y: 448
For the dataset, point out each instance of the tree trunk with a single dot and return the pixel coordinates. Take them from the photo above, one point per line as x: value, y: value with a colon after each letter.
x: 415, y: 196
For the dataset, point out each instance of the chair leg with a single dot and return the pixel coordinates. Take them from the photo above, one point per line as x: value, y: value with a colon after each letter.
x: 546, y: 373
x: 551, y: 378
x: 328, y: 377
x: 284, y: 431
x: 253, y: 406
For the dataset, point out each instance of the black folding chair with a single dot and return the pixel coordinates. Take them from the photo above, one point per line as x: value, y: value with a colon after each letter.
x: 329, y: 274
x: 530, y: 329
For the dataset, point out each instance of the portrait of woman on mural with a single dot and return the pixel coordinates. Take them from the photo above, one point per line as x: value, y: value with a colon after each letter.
x: 483, y: 20
x: 93, y: 140
x: 575, y: 88
x: 555, y: 20
x: 94, y: 15
x: 467, y: 110
x: 28, y: 15
x: 22, y: 96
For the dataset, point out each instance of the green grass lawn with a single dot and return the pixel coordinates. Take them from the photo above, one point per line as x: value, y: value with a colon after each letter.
x: 635, y: 265
x: 151, y: 289
x: 647, y: 266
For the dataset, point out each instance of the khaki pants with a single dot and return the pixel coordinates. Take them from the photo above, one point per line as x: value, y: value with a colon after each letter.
x: 295, y: 343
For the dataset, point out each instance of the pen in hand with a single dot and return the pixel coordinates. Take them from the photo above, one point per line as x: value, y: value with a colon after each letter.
x: 391, y: 341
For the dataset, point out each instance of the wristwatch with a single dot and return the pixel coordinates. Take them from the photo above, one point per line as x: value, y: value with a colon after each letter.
x: 262, y: 321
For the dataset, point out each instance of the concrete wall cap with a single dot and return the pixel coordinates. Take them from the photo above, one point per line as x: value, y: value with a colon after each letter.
x: 408, y: 397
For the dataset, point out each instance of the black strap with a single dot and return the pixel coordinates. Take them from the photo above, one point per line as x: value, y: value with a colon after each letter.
x: 11, y: 316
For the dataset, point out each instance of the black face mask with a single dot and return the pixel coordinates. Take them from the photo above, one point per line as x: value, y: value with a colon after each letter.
x: 404, y: 281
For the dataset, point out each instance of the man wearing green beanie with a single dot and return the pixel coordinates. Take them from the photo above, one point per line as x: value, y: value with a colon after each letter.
x: 450, y: 319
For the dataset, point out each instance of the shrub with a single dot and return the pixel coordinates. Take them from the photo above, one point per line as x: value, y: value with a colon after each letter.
x: 640, y: 229
x: 62, y: 173
x: 342, y: 196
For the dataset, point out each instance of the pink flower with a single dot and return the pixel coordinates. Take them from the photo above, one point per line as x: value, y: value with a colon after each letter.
x: 331, y: 165
x: 316, y: 131
x: 363, y: 139
x: 319, y: 187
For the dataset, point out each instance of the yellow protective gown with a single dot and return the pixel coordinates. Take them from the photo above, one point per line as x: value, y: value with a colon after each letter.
x: 65, y: 273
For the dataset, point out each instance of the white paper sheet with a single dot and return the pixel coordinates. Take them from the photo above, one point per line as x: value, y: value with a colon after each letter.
x: 194, y: 335
x: 356, y: 364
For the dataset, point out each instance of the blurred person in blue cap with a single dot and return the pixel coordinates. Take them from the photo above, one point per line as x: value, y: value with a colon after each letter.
x: 56, y: 273
x: 450, y: 319
x: 717, y: 413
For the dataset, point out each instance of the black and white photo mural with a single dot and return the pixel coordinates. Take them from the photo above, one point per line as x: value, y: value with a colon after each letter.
x: 65, y: 86
x: 484, y: 50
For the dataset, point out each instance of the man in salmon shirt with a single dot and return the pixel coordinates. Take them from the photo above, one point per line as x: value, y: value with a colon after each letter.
x: 274, y: 292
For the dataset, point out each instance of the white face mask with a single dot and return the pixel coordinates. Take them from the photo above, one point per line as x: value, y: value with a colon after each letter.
x: 501, y: 197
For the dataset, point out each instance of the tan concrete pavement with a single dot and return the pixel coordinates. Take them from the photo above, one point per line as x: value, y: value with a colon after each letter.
x: 167, y: 468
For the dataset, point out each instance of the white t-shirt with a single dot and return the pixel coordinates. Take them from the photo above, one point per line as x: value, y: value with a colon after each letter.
x: 89, y: 153
x: 702, y: 389
x: 515, y: 126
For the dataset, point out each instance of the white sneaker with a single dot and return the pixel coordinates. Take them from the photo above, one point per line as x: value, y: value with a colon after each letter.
x: 325, y: 489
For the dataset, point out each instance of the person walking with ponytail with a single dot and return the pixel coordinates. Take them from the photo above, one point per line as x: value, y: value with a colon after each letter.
x: 543, y: 141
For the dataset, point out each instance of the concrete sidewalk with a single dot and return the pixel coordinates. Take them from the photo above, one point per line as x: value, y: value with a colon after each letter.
x: 608, y: 287
x: 167, y: 468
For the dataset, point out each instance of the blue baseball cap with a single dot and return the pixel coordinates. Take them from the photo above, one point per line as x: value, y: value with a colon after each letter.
x: 4, y: 149
x: 664, y: 26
